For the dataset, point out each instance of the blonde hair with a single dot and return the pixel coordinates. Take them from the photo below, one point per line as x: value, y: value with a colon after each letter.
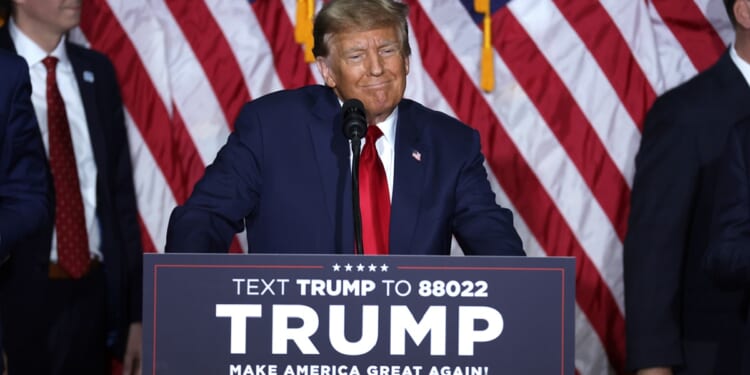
x: 359, y: 15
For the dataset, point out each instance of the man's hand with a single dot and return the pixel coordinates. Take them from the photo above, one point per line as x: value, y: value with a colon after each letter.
x: 131, y: 364
x: 655, y: 371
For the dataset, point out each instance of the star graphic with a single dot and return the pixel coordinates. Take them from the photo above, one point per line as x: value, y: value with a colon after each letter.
x: 372, y: 267
x: 336, y: 267
x: 360, y: 267
x: 348, y: 267
x: 384, y: 268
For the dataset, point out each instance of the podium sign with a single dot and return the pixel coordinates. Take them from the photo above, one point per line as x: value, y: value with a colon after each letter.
x: 344, y: 315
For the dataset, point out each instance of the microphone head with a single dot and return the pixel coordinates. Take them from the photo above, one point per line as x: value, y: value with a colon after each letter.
x: 354, y: 119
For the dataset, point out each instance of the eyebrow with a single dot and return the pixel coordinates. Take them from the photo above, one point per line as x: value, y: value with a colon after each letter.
x: 360, y: 48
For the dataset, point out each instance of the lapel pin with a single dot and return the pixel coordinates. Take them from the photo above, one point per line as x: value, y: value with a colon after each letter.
x: 416, y: 155
x: 88, y: 76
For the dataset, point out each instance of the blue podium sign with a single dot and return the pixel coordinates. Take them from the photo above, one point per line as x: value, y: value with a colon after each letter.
x: 349, y: 315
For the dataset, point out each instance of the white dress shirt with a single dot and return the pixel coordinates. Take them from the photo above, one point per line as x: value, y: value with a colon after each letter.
x: 741, y: 64
x: 79, y: 131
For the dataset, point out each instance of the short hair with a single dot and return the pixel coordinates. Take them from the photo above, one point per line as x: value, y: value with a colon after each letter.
x: 729, y: 5
x: 5, y: 9
x: 359, y: 15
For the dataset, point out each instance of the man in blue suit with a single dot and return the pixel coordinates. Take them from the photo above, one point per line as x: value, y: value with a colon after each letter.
x: 285, y: 172
x: 92, y: 297
x: 678, y: 320
x: 25, y: 195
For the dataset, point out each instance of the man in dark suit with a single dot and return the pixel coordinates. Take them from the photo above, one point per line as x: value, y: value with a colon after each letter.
x: 25, y: 189
x: 93, y: 291
x: 285, y: 171
x: 728, y: 256
x: 677, y: 319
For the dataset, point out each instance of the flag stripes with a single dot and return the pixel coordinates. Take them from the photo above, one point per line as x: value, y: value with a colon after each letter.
x: 213, y: 53
x: 689, y: 25
x: 574, y: 79
x: 288, y: 57
x: 559, y: 109
x: 148, y: 111
x: 603, y: 40
x: 539, y: 210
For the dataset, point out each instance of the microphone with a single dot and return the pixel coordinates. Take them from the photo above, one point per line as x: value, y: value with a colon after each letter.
x: 355, y: 121
x: 355, y: 128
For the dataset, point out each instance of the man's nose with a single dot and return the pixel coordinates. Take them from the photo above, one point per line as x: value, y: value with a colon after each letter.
x: 375, y: 64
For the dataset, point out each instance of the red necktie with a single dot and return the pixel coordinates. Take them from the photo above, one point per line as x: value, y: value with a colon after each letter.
x: 70, y: 223
x: 375, y: 200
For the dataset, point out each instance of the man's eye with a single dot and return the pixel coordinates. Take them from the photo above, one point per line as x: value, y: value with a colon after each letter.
x: 355, y: 57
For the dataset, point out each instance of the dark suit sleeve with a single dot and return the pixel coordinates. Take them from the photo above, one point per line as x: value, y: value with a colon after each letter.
x: 728, y: 256
x: 480, y: 226
x: 227, y: 193
x: 25, y: 203
x: 654, y: 248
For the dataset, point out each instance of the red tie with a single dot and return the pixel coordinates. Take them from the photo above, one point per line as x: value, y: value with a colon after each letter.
x: 375, y: 200
x: 70, y: 223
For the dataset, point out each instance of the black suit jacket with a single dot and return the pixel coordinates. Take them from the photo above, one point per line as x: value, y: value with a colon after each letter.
x: 116, y: 205
x: 675, y: 314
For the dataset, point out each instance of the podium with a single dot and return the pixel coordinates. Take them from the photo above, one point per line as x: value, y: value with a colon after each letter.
x: 348, y: 314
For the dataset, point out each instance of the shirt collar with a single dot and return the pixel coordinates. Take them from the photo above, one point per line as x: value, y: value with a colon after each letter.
x: 388, y: 126
x: 31, y: 51
x: 741, y: 64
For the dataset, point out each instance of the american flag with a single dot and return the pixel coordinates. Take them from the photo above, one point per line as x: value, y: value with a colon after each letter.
x: 573, y: 80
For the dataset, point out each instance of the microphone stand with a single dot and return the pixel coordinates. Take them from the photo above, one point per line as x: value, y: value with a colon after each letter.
x: 356, y: 150
x: 355, y: 127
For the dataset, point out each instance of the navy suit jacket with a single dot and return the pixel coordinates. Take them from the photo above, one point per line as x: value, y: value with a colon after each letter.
x: 25, y: 190
x: 116, y: 205
x: 728, y: 256
x: 24, y: 176
x: 285, y: 174
x: 676, y: 315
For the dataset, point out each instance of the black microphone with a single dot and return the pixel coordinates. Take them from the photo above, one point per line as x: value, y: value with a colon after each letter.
x: 355, y: 128
x: 355, y: 121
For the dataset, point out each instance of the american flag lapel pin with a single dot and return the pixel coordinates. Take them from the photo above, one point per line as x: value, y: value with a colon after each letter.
x: 416, y: 155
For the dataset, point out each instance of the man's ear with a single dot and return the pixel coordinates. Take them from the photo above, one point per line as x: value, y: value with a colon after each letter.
x: 325, y: 71
x: 406, y: 64
x: 742, y: 14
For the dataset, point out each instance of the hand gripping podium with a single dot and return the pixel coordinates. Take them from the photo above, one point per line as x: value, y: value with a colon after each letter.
x: 346, y: 314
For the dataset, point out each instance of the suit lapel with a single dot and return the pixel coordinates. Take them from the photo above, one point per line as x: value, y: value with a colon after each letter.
x: 86, y: 80
x: 6, y: 42
x: 332, y: 158
x: 410, y: 161
x: 735, y: 84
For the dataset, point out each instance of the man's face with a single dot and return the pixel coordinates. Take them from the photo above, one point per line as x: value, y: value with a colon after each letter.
x: 369, y: 66
x: 56, y: 16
